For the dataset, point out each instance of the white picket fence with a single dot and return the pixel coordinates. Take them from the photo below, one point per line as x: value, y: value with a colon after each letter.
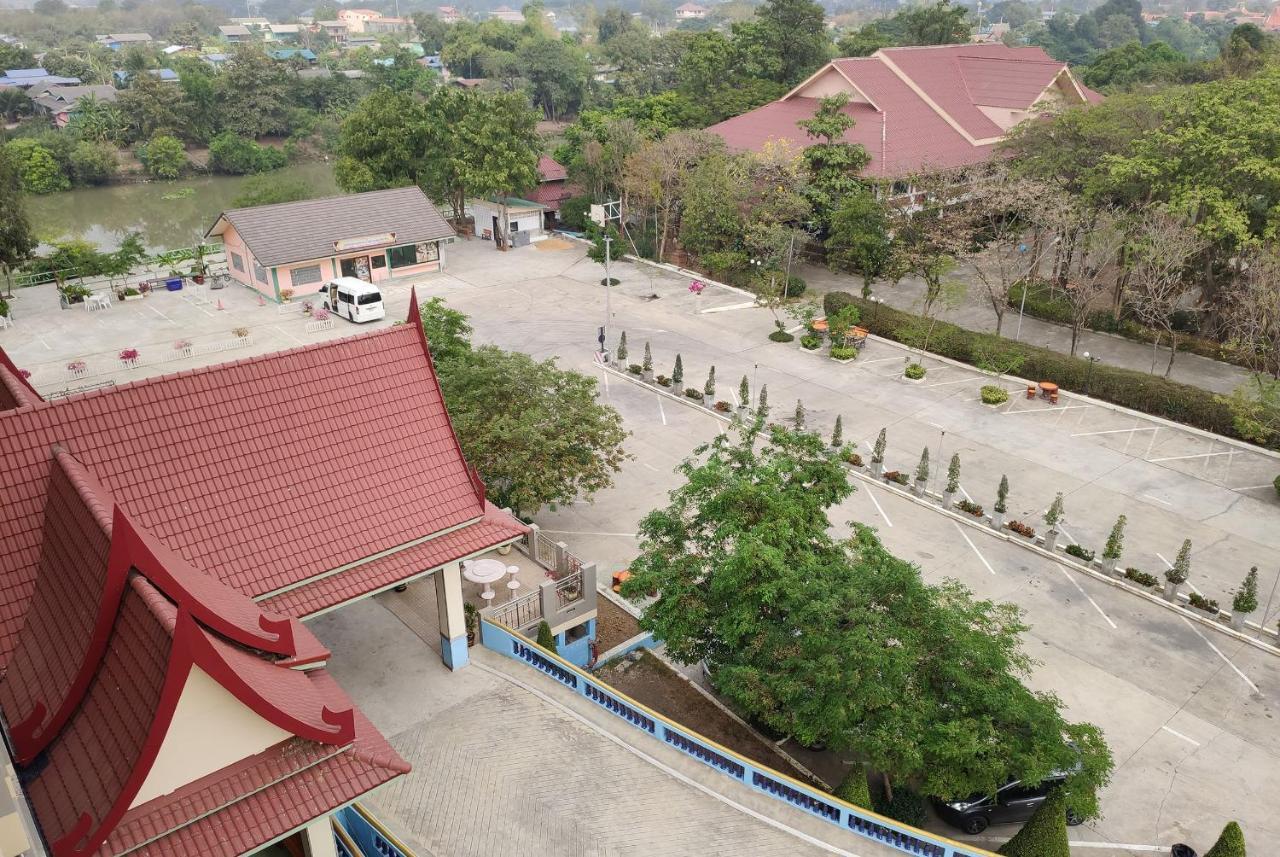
x: 318, y: 326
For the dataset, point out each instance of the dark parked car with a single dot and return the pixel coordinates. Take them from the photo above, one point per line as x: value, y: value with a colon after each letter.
x: 1013, y: 803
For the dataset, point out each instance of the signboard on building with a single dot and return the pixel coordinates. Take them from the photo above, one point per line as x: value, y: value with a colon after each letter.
x: 343, y: 245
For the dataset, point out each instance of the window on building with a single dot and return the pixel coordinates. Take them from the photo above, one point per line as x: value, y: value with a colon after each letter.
x: 260, y: 272
x: 577, y: 632
x: 413, y: 254
x: 515, y: 226
x: 378, y: 261
x: 237, y: 262
x: 306, y: 275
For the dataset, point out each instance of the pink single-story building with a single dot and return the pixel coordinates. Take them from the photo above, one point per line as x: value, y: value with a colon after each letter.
x: 302, y: 245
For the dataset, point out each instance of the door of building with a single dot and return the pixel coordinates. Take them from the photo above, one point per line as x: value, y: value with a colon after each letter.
x: 356, y: 266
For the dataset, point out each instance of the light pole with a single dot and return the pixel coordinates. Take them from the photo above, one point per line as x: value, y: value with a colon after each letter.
x: 1088, y: 378
x: 876, y: 300
x: 608, y: 287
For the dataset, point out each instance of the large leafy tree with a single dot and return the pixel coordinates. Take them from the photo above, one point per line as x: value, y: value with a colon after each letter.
x: 536, y: 432
x: 502, y: 147
x: 16, y: 239
x: 858, y: 238
x: 840, y: 642
x: 833, y: 164
x: 253, y: 94
x: 939, y: 24
x: 382, y: 142
x: 797, y: 34
x: 557, y: 71
x: 151, y: 107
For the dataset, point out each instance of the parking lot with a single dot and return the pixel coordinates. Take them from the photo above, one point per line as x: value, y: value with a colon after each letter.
x: 1189, y: 712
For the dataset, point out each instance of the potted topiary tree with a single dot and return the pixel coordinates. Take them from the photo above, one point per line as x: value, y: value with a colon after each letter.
x: 1178, y: 573
x: 620, y: 355
x: 744, y: 397
x: 1246, y: 600
x: 762, y: 407
x: 546, y: 639
x: 677, y: 373
x: 922, y: 472
x: 1115, y: 546
x: 1230, y: 842
x: 472, y: 618
x: 837, y: 433
x: 877, y: 454
x: 1051, y: 519
x: 709, y: 389
x: 646, y: 368
x: 799, y: 415
x: 953, y: 481
x: 1002, y: 505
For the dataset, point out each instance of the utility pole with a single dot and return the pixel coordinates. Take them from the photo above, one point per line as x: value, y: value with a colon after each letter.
x: 608, y: 285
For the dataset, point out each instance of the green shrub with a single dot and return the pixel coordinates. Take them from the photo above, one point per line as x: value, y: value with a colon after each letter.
x: 694, y: 393
x: 833, y: 302
x: 1080, y: 552
x: 796, y: 286
x: 1044, y: 834
x: 634, y: 369
x: 906, y: 806
x: 1129, y: 388
x: 810, y: 342
x: 92, y: 163
x: 1040, y: 303
x: 574, y: 212
x: 781, y: 336
x: 163, y: 156
x: 914, y: 371
x: 896, y: 476
x: 993, y: 395
x: 38, y: 170
x: 970, y: 507
x: 851, y: 457
x: 1230, y: 843
x: 1195, y: 599
x: 1141, y: 578
x: 844, y: 352
x: 1246, y: 600
x: 4, y: 307
x: 1276, y: 484
x: 853, y: 788
x: 546, y: 639
x: 237, y: 156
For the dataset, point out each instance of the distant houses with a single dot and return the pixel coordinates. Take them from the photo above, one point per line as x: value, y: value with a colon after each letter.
x: 25, y: 78
x: 235, y: 33
x: 119, y: 41
x: 507, y: 14
x: 59, y: 103
x: 691, y: 12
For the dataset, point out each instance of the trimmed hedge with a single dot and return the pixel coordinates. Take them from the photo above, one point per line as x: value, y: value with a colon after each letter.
x: 907, y: 806
x: 1230, y: 843
x: 1129, y: 388
x: 1045, y: 834
x: 854, y: 789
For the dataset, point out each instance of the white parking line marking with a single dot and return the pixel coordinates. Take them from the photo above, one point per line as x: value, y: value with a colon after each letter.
x: 964, y: 492
x: 1185, y: 457
x: 1219, y: 653
x: 944, y: 383
x: 877, y: 360
x: 1080, y: 589
x: 872, y: 495
x: 1160, y: 849
x: 1157, y: 499
x: 965, y: 536
x: 1151, y: 445
x: 1180, y: 735
x: 1110, y: 431
x: 1048, y: 410
x: 287, y: 334
x: 650, y: 466
x: 661, y: 412
x: 1255, y: 487
x: 747, y: 305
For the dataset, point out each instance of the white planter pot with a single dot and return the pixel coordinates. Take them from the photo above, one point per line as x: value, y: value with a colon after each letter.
x: 1051, y: 540
x: 1171, y: 592
x: 997, y: 520
x: 919, y: 487
x: 1237, y: 620
x: 128, y: 298
x: 946, y: 499
x: 877, y: 468
x: 647, y: 375
x: 504, y: 550
x: 1109, y: 564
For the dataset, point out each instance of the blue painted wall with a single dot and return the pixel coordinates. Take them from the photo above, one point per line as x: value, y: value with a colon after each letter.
x: 578, y: 652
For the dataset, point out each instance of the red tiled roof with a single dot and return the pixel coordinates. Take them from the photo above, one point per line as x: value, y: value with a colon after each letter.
x: 551, y: 194
x: 550, y: 171
x: 15, y: 390
x: 494, y: 529
x: 902, y: 130
x: 242, y: 469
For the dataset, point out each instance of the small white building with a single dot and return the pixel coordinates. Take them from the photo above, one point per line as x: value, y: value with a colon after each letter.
x: 523, y: 221
x: 691, y: 12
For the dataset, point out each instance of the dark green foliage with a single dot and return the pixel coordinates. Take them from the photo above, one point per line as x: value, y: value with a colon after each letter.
x: 853, y: 788
x: 545, y: 638
x: 969, y: 507
x: 237, y: 156
x: 1246, y: 600
x: 1126, y: 387
x: 1080, y: 552
x: 781, y: 336
x: 1230, y: 843
x: 1141, y: 577
x: 1045, y: 834
x: 914, y: 371
x: 993, y: 395
x: 833, y: 302
x: 574, y: 212
x: 906, y: 805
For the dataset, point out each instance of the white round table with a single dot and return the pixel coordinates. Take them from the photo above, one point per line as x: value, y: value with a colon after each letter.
x: 484, y: 571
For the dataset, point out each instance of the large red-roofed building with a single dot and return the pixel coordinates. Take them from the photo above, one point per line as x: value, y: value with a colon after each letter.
x: 159, y: 544
x: 919, y: 109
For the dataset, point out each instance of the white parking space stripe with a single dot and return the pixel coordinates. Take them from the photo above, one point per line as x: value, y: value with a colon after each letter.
x: 1180, y: 735
x: 661, y: 412
x: 1157, y: 499
x: 1185, y: 457
x: 872, y: 495
x: 287, y: 334
x: 1219, y: 653
x: 1118, y: 846
x: 965, y: 536
x: 1080, y: 589
x: 1110, y: 431
x: 944, y: 383
x: 1048, y: 410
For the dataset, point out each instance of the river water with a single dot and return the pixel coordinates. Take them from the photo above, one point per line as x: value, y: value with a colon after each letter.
x: 104, y: 215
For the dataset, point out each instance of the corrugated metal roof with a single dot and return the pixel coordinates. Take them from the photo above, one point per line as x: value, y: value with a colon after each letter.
x: 301, y: 231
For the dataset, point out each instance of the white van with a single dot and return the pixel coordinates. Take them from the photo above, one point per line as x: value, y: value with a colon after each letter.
x: 354, y: 300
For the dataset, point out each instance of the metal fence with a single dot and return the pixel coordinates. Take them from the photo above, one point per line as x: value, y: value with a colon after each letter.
x: 569, y: 590
x: 520, y: 613
x: 773, y: 784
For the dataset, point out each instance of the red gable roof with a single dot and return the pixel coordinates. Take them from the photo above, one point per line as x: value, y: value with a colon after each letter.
x: 550, y: 171
x: 137, y: 524
x: 242, y: 469
x: 925, y: 105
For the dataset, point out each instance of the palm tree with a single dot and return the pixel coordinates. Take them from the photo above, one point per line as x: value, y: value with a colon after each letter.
x: 96, y: 120
x: 14, y: 103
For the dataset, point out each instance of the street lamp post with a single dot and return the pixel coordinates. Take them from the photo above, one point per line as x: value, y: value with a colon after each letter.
x: 1088, y: 378
x: 608, y: 287
x: 876, y: 300
x: 1026, y: 286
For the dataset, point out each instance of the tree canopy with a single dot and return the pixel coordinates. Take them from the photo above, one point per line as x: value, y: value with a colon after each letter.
x: 838, y: 641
